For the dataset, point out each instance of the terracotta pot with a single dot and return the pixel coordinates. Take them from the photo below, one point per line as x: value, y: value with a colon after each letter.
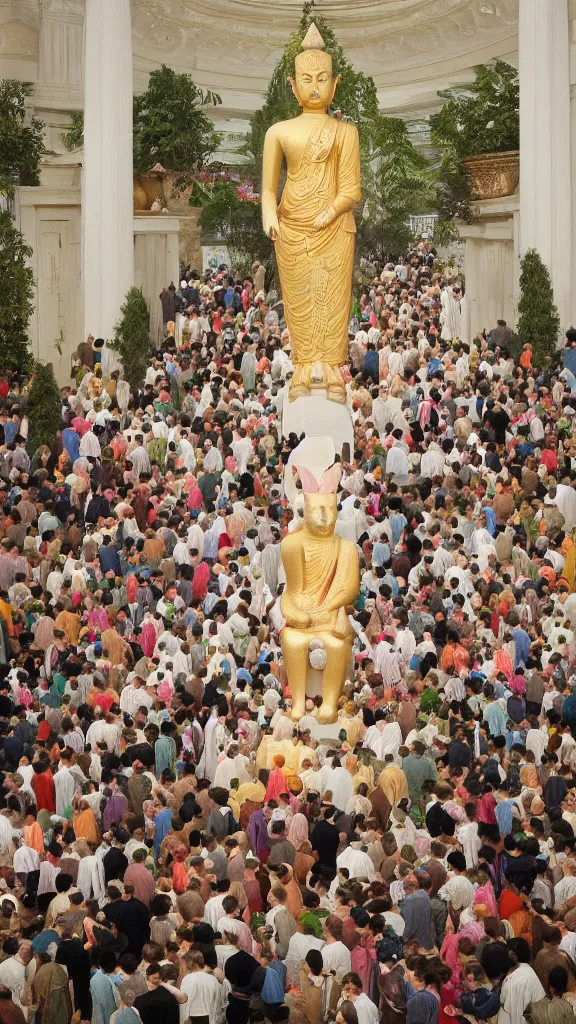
x: 493, y: 175
x: 140, y: 197
x: 151, y: 186
x: 176, y: 194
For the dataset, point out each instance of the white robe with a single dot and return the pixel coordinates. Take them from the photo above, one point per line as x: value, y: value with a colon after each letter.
x: 64, y: 786
x: 518, y: 990
x: 339, y: 782
x: 397, y: 460
x: 450, y: 316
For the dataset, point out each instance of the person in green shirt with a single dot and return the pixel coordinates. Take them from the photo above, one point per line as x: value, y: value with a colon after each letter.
x: 417, y: 770
x: 430, y: 699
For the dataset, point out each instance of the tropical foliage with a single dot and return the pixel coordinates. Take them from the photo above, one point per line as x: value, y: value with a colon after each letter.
x: 170, y: 126
x: 538, y: 320
x: 22, y: 138
x: 396, y: 182
x: 73, y: 137
x: 481, y: 117
x: 16, y: 292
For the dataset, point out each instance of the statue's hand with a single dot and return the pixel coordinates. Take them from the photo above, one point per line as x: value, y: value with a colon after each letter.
x: 298, y: 619
x: 325, y: 218
x: 272, y: 227
x: 294, y: 616
x: 342, y: 629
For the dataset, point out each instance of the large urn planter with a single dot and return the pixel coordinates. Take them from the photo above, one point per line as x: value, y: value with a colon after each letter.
x: 493, y: 175
x: 171, y: 189
x: 147, y: 189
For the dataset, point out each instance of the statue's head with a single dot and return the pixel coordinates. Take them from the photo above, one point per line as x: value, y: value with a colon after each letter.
x: 320, y: 507
x: 320, y: 514
x: 314, y: 85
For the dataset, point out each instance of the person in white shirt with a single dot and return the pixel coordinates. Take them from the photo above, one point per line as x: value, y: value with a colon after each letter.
x: 64, y: 783
x: 13, y: 972
x: 359, y: 864
x: 458, y: 891
x: 565, y: 889
x: 133, y: 696
x: 366, y: 1011
x: 213, y: 910
x: 139, y: 457
x: 206, y: 995
x: 335, y: 955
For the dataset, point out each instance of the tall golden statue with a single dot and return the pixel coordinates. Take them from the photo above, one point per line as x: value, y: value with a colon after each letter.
x: 322, y: 578
x: 313, y: 227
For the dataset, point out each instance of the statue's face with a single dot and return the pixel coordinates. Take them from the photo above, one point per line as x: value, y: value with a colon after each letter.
x: 320, y: 514
x: 314, y: 85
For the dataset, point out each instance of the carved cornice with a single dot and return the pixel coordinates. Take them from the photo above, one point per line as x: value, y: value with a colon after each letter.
x: 380, y: 35
x: 63, y: 7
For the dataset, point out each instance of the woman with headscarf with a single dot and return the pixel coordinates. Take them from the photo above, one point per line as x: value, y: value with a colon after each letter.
x: 51, y: 992
x: 84, y: 822
x: 200, y: 581
x: 276, y: 780
x: 115, y: 809
x: 44, y: 633
x: 298, y: 831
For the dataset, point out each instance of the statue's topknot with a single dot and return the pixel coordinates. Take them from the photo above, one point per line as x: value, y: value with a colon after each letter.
x: 313, y: 54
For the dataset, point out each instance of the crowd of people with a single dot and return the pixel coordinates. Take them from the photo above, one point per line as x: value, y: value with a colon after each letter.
x: 171, y: 841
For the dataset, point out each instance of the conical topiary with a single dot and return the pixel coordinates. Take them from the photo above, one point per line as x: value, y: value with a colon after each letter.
x: 132, y: 337
x: 44, y: 408
x: 538, y: 320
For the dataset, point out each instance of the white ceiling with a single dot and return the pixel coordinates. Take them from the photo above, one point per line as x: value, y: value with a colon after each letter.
x: 410, y: 47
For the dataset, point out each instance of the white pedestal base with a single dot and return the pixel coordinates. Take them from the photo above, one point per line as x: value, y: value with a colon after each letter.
x: 324, y: 733
x: 317, y: 417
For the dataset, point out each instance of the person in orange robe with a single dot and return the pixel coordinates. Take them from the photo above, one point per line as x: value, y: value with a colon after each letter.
x: 84, y: 823
x: 33, y: 835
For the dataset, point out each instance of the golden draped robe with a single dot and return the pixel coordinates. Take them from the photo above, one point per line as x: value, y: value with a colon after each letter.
x: 315, y: 264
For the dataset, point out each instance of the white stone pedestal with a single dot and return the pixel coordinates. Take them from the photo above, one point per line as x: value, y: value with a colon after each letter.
x: 324, y: 733
x: 317, y: 417
x: 491, y: 263
x: 155, y: 262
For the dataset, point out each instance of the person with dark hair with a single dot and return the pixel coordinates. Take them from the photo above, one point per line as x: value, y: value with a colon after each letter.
x: 352, y: 990
x: 158, y: 1003
x: 554, y: 1006
x: 240, y: 970
x: 520, y: 985
x: 325, y: 838
x: 550, y: 957
x: 103, y: 989
x: 130, y: 916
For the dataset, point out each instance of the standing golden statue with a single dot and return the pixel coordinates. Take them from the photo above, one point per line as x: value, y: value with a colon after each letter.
x: 313, y: 227
x: 322, y: 578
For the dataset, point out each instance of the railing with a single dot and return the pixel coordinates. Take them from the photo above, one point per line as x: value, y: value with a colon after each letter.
x: 423, y: 224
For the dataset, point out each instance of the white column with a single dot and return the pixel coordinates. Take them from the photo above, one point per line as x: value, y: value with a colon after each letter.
x: 107, y: 191
x: 545, y: 175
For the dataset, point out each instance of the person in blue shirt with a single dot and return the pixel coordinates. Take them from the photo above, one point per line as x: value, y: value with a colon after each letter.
x: 398, y: 522
x: 71, y: 443
x: 108, y: 556
x: 371, y: 365
x: 381, y: 551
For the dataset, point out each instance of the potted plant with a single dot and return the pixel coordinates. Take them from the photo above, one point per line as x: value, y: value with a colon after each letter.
x: 173, y: 138
x: 477, y: 134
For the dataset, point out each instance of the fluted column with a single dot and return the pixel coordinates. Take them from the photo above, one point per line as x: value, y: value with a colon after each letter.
x: 107, y: 191
x: 545, y: 173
